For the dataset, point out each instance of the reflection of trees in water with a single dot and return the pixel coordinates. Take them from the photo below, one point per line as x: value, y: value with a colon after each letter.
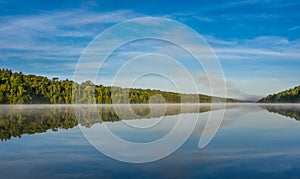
x: 17, y: 120
x: 292, y: 111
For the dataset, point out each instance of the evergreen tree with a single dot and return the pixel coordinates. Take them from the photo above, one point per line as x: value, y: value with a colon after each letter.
x: 17, y: 88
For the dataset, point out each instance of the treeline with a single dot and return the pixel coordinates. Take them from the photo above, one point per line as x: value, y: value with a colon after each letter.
x: 288, y: 96
x: 17, y: 88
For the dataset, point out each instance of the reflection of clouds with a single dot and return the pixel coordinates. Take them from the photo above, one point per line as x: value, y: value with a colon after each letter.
x: 17, y: 120
x: 146, y: 137
x: 138, y: 152
x: 249, y: 115
x: 270, y: 152
x: 237, y: 110
x: 233, y: 112
x: 45, y: 154
x: 255, y: 160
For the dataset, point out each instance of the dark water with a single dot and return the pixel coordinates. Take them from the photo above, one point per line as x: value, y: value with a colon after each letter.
x: 253, y: 141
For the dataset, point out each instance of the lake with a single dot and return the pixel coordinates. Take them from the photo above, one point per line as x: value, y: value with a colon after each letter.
x: 254, y: 140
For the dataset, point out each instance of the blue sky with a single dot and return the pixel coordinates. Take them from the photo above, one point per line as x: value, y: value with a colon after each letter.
x: 257, y: 42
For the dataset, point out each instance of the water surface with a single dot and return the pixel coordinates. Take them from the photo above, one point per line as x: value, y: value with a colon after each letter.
x: 253, y: 141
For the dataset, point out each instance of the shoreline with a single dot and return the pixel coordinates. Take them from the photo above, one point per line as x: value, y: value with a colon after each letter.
x: 153, y: 104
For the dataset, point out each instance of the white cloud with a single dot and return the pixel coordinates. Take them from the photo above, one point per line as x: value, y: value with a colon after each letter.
x: 58, y: 36
x: 263, y: 47
x: 294, y: 28
x: 62, y: 36
x: 32, y: 31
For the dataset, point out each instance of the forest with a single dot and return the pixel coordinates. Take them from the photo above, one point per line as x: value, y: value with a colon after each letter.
x: 18, y: 88
x: 288, y: 96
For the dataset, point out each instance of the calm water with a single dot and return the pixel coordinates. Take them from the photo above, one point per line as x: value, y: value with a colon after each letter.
x: 253, y: 141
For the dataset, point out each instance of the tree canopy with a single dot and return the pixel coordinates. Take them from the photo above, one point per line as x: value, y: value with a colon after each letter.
x: 18, y: 88
x: 288, y: 96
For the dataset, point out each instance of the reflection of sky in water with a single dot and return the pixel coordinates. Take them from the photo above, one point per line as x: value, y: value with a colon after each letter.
x: 251, y: 143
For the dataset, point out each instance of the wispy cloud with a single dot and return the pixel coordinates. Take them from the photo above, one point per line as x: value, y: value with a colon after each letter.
x: 184, y: 16
x: 59, y: 36
x: 50, y: 42
x: 263, y: 47
x: 294, y: 28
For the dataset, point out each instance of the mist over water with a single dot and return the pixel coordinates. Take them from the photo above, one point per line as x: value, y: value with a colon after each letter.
x: 254, y: 140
